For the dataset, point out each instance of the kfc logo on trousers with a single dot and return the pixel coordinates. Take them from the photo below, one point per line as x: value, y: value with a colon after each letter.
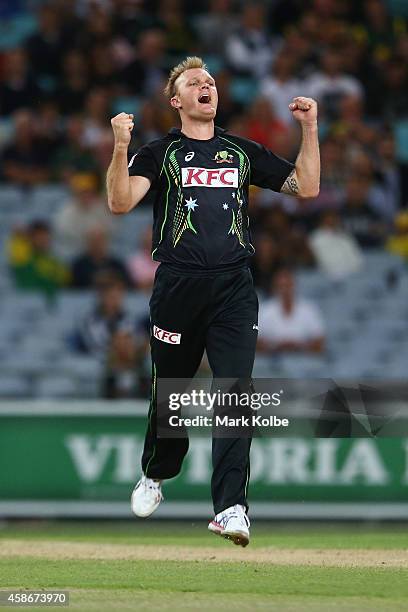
x: 205, y: 177
x: 166, y: 336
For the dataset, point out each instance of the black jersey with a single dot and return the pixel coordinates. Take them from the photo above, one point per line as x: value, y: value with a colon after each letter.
x: 200, y: 194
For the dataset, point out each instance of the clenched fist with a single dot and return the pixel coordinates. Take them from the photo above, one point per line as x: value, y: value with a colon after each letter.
x: 304, y: 109
x: 122, y: 126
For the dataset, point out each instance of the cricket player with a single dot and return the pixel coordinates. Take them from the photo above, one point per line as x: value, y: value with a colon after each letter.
x: 203, y: 295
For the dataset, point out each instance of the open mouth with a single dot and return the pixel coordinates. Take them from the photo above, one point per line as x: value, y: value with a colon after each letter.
x: 205, y: 98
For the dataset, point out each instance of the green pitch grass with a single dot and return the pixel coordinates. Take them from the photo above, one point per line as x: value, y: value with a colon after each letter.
x: 109, y: 582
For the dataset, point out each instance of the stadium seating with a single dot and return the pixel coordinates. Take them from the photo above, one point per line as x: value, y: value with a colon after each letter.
x: 366, y: 317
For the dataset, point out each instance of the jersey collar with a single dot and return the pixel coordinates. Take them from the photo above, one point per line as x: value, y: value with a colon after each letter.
x: 176, y: 132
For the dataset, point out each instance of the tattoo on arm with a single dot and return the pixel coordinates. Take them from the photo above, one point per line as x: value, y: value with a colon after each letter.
x: 290, y: 186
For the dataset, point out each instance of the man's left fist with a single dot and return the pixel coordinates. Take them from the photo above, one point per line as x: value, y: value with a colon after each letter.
x: 304, y: 109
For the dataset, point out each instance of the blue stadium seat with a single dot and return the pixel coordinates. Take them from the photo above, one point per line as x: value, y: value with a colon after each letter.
x: 14, y: 386
x: 10, y: 196
x: 312, y: 284
x: 56, y: 387
x: 263, y: 367
x: 24, y: 305
x: 80, y: 366
x: 74, y: 304
x: 303, y: 366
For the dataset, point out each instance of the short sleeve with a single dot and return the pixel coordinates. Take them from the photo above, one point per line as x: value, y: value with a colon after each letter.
x: 267, y: 169
x: 143, y: 163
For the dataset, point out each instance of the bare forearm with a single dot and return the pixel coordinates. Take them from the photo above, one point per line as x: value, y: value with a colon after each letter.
x: 118, y: 182
x: 304, y: 180
x: 308, y: 162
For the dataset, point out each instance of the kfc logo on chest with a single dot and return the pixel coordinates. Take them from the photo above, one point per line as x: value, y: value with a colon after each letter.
x: 166, y: 336
x: 206, y: 177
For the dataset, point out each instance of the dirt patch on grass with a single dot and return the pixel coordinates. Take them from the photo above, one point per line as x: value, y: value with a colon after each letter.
x: 277, y: 556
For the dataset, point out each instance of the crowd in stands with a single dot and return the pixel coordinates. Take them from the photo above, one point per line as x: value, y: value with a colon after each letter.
x: 67, y: 66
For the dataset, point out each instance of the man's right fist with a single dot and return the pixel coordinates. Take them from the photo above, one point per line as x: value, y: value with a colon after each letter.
x: 122, y: 126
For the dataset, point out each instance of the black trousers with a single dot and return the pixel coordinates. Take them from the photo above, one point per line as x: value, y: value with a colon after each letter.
x: 216, y: 311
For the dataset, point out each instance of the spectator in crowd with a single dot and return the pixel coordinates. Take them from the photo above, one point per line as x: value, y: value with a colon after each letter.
x: 287, y: 323
x: 329, y: 85
x: 102, y: 66
x: 146, y: 74
x: 265, y: 261
x: 215, y: 26
x: 337, y: 253
x: 96, y: 259
x: 99, y: 26
x: 46, y: 47
x: 95, y: 331
x: 397, y: 243
x: 32, y: 262
x: 73, y: 156
x: 97, y: 109
x: 303, y: 46
x: 141, y: 266
x: 378, y: 26
x: 334, y: 162
x: 292, y: 248
x: 395, y: 86
x: 18, y: 88
x: 25, y: 160
x: 179, y: 36
x: 73, y: 87
x: 131, y: 19
x: 96, y: 133
x: 389, y: 170
x: 359, y: 217
x: 380, y: 196
x: 124, y: 368
x: 84, y: 211
x: 264, y: 127
x: 250, y: 50
x: 49, y: 129
x: 351, y: 124
x: 281, y: 85
x: 152, y: 121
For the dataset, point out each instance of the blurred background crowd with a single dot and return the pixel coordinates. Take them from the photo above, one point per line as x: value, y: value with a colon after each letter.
x: 331, y: 272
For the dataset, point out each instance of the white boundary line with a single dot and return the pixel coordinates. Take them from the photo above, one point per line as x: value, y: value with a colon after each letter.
x: 135, y: 408
x: 198, y: 510
x: 60, y: 408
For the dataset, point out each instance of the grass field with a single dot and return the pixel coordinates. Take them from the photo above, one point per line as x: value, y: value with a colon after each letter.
x: 178, y: 566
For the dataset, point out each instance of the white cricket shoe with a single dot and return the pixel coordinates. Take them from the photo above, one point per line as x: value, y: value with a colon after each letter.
x: 146, y: 496
x: 232, y: 524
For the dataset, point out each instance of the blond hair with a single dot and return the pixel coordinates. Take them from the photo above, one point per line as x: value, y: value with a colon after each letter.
x: 187, y: 64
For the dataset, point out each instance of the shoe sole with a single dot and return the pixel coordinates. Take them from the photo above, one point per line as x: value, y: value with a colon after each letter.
x: 240, y: 538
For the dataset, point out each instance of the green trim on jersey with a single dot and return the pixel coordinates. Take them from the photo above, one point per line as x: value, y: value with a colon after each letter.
x: 168, y: 189
x: 234, y: 229
x: 182, y: 220
x: 151, y: 410
x: 244, y: 170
